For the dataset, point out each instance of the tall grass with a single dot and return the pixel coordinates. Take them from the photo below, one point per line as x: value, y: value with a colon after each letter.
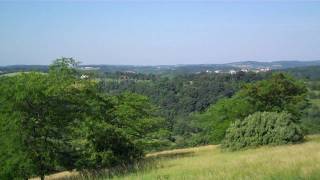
x: 300, y: 161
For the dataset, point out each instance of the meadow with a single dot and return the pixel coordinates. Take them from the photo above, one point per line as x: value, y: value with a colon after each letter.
x: 299, y: 161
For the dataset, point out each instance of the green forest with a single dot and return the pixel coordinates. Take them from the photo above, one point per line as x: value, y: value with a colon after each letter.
x: 67, y: 118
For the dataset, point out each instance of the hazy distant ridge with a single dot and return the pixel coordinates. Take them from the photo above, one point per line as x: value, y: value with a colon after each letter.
x: 188, y: 68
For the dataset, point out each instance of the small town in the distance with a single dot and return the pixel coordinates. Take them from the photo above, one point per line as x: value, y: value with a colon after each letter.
x: 231, y: 68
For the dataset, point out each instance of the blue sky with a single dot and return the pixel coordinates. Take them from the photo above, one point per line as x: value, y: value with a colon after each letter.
x: 150, y: 33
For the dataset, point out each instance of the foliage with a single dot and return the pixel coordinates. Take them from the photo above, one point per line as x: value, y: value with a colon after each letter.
x: 179, y: 95
x: 116, y: 130
x: 276, y: 94
x: 58, y: 121
x: 39, y: 106
x: 310, y: 120
x: 280, y: 93
x: 139, y: 119
x: 262, y: 128
x: 308, y: 72
x: 103, y: 145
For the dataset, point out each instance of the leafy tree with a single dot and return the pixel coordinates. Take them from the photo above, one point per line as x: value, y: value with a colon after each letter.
x: 101, y: 145
x: 138, y: 117
x: 40, y: 107
x: 14, y: 161
x: 57, y: 121
x: 116, y: 130
x: 279, y: 93
x: 262, y: 128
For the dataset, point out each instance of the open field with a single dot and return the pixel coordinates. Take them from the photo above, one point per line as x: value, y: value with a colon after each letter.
x: 17, y: 73
x: 11, y: 74
x: 300, y: 161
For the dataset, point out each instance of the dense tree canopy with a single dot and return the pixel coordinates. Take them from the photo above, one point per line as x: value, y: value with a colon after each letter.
x: 178, y: 96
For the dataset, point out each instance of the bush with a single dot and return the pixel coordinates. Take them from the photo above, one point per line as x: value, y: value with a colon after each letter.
x: 105, y: 146
x: 262, y: 128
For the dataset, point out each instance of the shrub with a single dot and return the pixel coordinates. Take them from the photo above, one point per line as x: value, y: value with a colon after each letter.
x: 262, y: 128
x: 105, y: 146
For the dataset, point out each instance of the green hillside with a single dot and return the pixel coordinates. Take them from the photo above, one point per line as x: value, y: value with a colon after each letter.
x: 300, y: 161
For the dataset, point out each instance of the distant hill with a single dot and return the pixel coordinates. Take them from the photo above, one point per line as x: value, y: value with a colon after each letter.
x: 274, y: 64
x: 305, y: 72
x: 180, y: 68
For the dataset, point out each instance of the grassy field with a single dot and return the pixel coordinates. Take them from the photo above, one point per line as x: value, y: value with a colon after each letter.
x: 17, y: 73
x: 300, y: 161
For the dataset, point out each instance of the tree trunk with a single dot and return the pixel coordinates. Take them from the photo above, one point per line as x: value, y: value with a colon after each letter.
x: 42, y: 177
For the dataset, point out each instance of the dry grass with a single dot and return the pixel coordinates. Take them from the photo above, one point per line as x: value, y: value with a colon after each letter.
x: 61, y: 175
x: 300, y: 161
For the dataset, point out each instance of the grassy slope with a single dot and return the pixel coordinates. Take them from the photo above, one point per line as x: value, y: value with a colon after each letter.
x: 300, y: 161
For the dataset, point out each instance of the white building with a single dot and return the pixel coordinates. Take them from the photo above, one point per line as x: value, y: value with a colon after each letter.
x: 232, y: 71
x: 84, y: 76
x: 244, y: 70
x: 265, y: 69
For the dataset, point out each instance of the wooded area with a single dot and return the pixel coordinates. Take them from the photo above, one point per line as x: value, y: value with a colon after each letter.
x: 57, y: 121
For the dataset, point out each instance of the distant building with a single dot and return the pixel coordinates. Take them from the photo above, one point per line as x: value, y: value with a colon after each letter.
x: 124, y: 77
x: 265, y: 69
x: 244, y: 70
x: 262, y: 70
x: 217, y: 71
x: 208, y: 71
x: 84, y: 76
x: 90, y: 68
x: 232, y: 71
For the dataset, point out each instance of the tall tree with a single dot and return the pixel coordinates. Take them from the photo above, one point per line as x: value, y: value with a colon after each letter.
x: 40, y: 106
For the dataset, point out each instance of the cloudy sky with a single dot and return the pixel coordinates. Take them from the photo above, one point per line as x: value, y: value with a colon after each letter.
x: 154, y: 32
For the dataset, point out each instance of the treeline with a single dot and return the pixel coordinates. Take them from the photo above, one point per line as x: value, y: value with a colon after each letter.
x: 309, y: 73
x: 23, y: 68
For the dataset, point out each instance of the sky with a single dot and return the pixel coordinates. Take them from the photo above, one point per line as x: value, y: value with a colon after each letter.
x: 158, y: 32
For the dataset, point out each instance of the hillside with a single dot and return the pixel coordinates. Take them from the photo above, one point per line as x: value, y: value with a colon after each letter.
x: 300, y: 161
